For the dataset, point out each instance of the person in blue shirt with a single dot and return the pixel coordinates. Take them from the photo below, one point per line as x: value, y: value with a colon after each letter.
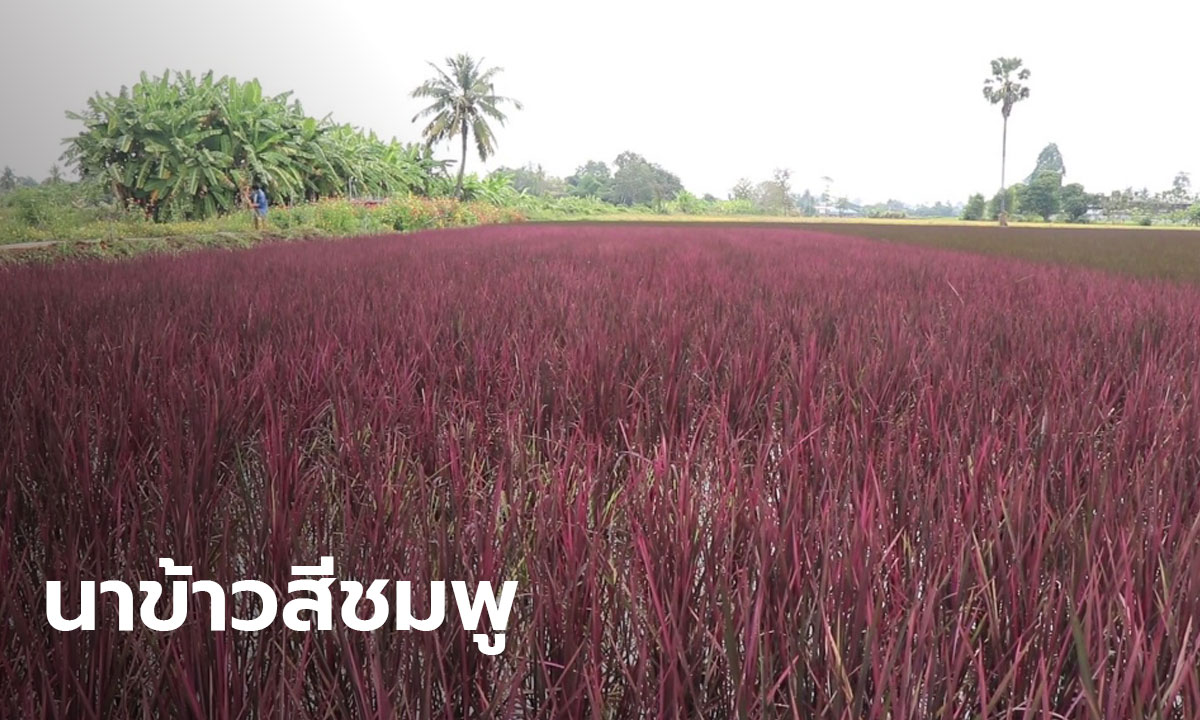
x: 258, y: 201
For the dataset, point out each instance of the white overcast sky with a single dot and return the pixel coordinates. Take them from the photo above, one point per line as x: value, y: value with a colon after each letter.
x: 883, y: 96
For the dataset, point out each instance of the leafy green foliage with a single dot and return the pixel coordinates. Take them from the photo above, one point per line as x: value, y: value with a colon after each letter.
x: 68, y: 212
x: 775, y: 195
x: 743, y: 190
x: 638, y: 181
x: 689, y: 204
x: 9, y: 181
x: 183, y: 147
x: 770, y: 197
x: 1041, y: 196
x: 1074, y: 201
x: 1008, y: 199
x: 533, y: 180
x: 497, y: 188
x: 60, y: 211
x: 1181, y: 186
x: 975, y: 207
x: 1044, y: 195
x: 1048, y: 160
x: 340, y: 217
x: 735, y: 207
x: 592, y: 179
x: 892, y: 209
x: 567, y: 208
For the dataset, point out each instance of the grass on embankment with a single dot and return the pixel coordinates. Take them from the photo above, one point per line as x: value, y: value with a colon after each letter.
x: 125, y: 236
x: 1163, y: 252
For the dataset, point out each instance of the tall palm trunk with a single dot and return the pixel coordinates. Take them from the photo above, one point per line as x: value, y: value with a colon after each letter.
x: 462, y: 166
x: 1003, y: 162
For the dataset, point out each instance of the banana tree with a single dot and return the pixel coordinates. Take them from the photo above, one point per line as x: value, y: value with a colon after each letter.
x: 186, y: 147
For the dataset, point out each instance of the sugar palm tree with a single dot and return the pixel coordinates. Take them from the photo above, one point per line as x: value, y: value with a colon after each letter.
x: 1004, y: 88
x: 464, y: 98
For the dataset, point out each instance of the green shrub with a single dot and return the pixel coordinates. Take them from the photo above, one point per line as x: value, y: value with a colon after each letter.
x: 294, y: 217
x: 413, y: 213
x: 62, y: 215
x: 739, y: 206
x: 46, y: 207
x: 975, y: 208
x: 335, y: 217
x: 66, y: 211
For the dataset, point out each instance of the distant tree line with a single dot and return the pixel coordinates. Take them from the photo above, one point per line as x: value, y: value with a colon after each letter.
x: 183, y: 147
x: 10, y: 181
x: 1043, y: 196
x: 632, y: 180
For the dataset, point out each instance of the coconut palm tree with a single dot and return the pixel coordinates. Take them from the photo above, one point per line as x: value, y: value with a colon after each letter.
x: 463, y: 101
x: 1004, y: 88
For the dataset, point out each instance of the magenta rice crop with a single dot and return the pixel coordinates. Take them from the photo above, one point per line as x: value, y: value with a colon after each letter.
x: 737, y: 472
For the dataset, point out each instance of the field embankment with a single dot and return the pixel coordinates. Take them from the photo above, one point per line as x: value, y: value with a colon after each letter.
x: 35, y: 228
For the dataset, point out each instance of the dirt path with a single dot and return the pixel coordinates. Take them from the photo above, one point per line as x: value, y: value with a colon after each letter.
x: 177, y: 239
x: 34, y: 245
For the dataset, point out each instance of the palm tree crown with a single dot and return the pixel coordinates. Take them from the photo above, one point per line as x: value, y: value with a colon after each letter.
x: 464, y: 98
x: 1002, y: 88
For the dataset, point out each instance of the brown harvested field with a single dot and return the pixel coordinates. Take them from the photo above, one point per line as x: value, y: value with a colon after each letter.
x: 1170, y: 253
